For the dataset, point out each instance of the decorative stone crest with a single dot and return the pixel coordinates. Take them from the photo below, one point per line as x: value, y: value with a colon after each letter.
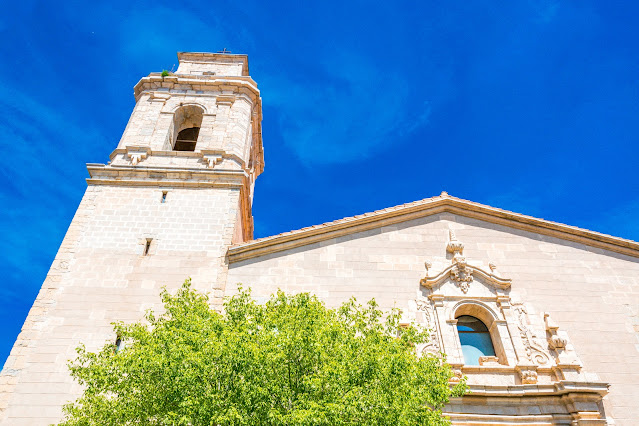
x: 461, y: 273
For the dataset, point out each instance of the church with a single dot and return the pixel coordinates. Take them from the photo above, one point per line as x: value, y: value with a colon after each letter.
x: 541, y: 317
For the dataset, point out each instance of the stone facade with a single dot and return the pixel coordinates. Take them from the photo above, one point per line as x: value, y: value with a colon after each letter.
x: 561, y: 303
x: 151, y: 217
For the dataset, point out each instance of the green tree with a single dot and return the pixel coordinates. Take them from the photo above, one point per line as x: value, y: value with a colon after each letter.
x: 290, y: 361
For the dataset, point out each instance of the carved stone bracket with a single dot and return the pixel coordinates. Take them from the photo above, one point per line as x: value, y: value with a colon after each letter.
x: 159, y: 96
x: 527, y: 374
x: 212, y: 157
x: 458, y: 375
x: 225, y: 100
x: 135, y: 154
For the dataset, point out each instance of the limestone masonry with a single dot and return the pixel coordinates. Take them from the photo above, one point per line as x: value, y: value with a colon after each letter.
x: 543, y: 318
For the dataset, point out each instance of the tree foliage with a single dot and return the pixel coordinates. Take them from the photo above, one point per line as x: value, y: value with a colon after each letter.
x: 290, y: 361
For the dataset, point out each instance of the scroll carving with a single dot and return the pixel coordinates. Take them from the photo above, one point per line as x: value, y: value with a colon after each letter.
x: 460, y: 271
x: 432, y: 346
x: 535, y: 351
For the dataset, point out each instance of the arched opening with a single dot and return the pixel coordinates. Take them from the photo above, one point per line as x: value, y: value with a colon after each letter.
x: 475, y: 339
x: 186, y: 127
x: 187, y: 139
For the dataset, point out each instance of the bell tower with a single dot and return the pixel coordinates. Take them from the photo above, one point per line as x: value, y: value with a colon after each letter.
x: 176, y: 193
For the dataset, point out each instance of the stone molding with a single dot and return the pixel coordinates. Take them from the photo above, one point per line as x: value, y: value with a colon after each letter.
x: 423, y: 208
x: 155, y: 81
x: 176, y: 177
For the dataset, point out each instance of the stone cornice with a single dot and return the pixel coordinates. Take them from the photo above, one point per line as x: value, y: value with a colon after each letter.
x: 174, y: 177
x: 206, y: 57
x: 155, y: 81
x: 427, y: 207
x: 561, y: 387
x: 101, y: 174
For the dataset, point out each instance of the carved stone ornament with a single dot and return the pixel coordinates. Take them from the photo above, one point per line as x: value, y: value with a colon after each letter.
x: 137, y: 153
x: 555, y: 341
x: 535, y: 351
x: 212, y: 157
x: 432, y: 346
x: 488, y: 360
x: 460, y: 271
x: 528, y: 377
x: 457, y: 375
x: 454, y: 245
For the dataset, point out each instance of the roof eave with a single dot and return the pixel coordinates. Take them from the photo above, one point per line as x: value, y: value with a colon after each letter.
x: 435, y: 205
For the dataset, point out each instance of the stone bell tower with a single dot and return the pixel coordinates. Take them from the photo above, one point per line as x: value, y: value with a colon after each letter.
x: 176, y: 193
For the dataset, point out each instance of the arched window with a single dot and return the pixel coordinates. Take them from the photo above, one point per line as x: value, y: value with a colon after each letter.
x: 187, y: 121
x: 474, y: 338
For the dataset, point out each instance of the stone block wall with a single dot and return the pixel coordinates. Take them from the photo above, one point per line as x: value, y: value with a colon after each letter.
x: 590, y: 293
x: 101, y: 275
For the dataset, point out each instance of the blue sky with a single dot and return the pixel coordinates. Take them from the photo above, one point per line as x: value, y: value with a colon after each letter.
x: 530, y: 106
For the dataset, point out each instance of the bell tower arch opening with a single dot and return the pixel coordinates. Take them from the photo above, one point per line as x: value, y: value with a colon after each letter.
x: 187, y: 121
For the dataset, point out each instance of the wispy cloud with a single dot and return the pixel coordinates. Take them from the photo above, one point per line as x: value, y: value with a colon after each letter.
x: 359, y: 109
x: 38, y: 142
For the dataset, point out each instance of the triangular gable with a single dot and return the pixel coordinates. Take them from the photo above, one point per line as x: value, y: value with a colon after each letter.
x: 443, y: 203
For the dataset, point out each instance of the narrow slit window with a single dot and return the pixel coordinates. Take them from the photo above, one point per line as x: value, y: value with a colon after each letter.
x: 147, y: 246
x: 164, y: 193
x: 118, y: 344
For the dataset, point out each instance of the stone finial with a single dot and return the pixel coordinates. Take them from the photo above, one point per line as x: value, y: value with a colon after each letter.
x: 428, y: 265
x: 444, y: 194
x: 555, y: 341
x: 454, y: 245
x: 551, y: 327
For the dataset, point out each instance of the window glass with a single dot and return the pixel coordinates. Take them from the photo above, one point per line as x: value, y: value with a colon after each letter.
x: 474, y: 338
